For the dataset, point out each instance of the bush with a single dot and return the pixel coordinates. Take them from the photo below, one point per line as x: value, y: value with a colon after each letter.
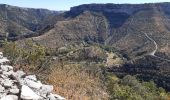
x: 129, y: 88
x: 92, y: 53
x: 31, y: 54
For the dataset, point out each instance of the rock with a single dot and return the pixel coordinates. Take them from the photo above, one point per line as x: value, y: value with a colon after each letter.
x: 27, y: 93
x: 45, y: 89
x: 2, y: 89
x: 4, y: 68
x: 7, y: 74
x: 33, y: 84
x: 55, y: 97
x: 10, y: 67
x: 18, y: 76
x: 10, y: 97
x: 3, y: 60
x: 1, y: 55
x: 3, y: 76
x: 7, y: 83
x: 1, y: 71
x: 2, y: 95
x: 18, y: 86
x: 31, y: 77
x: 14, y: 91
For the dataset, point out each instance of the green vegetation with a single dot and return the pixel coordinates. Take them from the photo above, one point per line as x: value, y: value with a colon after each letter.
x: 81, y: 72
x: 94, y: 38
x: 129, y: 88
x: 32, y: 54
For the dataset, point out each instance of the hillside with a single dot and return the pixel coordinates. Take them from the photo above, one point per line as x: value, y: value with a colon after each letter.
x: 93, y: 51
x: 16, y: 22
x: 134, y: 30
x: 121, y: 26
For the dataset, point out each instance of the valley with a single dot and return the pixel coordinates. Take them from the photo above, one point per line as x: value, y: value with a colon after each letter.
x: 92, y: 51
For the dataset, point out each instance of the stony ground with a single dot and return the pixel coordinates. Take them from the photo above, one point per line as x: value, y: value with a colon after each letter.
x: 17, y: 85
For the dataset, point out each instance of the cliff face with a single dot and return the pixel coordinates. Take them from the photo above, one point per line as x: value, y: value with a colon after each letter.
x: 116, y: 14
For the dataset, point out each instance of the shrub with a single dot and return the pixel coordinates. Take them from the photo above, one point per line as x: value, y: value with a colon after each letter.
x: 129, y: 88
x: 31, y: 54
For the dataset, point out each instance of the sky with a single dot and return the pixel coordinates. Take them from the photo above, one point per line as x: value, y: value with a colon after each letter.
x: 66, y: 4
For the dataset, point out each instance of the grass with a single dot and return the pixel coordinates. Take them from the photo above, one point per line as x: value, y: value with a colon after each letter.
x: 75, y: 83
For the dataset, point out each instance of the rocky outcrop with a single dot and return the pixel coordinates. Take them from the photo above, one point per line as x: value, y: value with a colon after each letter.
x: 116, y: 14
x: 17, y: 85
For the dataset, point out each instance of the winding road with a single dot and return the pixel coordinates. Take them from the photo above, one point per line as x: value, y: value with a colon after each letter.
x: 156, y: 49
x: 156, y: 46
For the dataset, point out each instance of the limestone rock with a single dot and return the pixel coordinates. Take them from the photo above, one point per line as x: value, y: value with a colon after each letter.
x: 31, y: 77
x: 14, y: 91
x: 2, y: 89
x: 17, y: 85
x: 10, y: 97
x: 7, y: 83
x: 3, y: 60
x: 33, y: 84
x: 27, y: 93
x: 46, y: 89
x: 55, y: 97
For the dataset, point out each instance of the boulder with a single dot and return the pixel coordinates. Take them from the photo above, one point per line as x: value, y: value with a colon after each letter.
x: 1, y: 55
x: 10, y: 97
x: 14, y: 91
x: 18, y: 76
x: 31, y: 77
x: 4, y: 68
x: 33, y: 84
x: 28, y: 94
x: 7, y: 74
x: 45, y: 89
x: 3, y: 60
x: 55, y: 97
x: 7, y: 83
x: 2, y: 89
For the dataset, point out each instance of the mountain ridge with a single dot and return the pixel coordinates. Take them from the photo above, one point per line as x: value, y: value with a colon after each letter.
x: 123, y: 25
x: 19, y: 22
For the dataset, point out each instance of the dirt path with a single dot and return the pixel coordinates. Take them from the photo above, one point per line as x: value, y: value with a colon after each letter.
x: 156, y: 49
x: 156, y: 46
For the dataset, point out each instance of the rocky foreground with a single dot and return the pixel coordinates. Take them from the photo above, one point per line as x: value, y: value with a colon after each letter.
x: 20, y: 86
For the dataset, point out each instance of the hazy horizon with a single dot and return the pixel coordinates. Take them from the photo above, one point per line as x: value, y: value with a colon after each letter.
x: 65, y: 5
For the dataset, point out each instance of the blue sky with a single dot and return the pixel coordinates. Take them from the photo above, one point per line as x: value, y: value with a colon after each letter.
x: 66, y: 4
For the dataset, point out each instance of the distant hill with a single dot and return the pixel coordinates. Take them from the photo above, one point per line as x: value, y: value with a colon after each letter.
x: 16, y: 22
